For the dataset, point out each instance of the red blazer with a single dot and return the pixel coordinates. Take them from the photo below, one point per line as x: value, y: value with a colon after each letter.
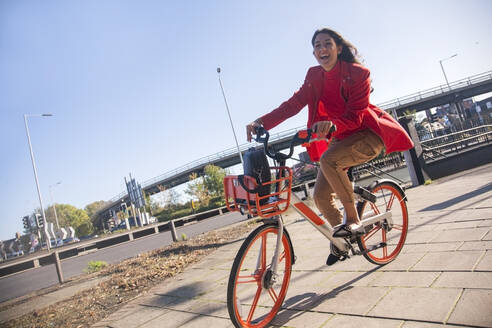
x: 355, y: 89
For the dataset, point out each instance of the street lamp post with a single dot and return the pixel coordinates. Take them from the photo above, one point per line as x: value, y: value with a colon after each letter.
x: 230, y: 119
x: 35, y: 171
x: 447, y: 83
x: 54, y: 205
x: 442, y: 67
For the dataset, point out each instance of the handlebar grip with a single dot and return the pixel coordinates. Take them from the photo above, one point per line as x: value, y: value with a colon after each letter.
x: 260, y: 131
x: 330, y: 132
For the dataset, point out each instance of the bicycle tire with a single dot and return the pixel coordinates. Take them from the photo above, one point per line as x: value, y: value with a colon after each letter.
x: 390, y: 196
x: 251, y: 292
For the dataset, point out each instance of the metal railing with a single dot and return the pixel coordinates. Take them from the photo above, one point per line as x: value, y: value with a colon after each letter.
x: 457, y: 141
x: 439, y: 90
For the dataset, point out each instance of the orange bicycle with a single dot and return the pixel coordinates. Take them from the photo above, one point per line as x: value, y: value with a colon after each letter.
x: 261, y: 271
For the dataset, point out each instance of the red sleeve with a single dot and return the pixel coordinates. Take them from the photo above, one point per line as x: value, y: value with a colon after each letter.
x: 288, y: 108
x: 357, y: 94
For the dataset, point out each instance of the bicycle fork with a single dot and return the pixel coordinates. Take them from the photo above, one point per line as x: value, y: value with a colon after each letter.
x: 276, y: 255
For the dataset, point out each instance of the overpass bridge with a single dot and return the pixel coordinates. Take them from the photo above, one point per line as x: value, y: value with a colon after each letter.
x: 444, y: 94
x: 420, y: 101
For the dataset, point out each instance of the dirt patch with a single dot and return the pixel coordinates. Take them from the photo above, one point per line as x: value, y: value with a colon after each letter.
x: 128, y: 280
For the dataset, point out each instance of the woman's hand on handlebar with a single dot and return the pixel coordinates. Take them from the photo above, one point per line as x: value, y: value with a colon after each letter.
x: 322, y: 128
x: 252, y: 128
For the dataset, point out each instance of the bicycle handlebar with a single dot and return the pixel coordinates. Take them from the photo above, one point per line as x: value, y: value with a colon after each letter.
x: 262, y: 136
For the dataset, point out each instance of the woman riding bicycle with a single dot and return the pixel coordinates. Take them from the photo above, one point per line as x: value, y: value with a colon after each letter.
x: 337, y: 93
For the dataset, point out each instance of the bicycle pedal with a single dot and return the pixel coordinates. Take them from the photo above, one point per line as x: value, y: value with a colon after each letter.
x: 344, y: 257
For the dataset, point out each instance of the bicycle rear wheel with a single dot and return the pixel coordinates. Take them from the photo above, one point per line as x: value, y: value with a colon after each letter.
x: 254, y: 295
x: 385, y: 240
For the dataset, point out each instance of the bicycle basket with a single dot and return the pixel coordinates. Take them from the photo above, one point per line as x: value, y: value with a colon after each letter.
x: 240, y: 200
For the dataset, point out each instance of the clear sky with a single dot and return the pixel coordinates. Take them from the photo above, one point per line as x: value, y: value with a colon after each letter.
x: 133, y: 85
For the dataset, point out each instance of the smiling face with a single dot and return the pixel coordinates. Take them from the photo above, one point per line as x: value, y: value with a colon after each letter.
x: 326, y: 51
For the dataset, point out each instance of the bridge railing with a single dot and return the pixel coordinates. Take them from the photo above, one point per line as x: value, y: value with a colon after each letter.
x: 436, y: 90
x: 456, y: 142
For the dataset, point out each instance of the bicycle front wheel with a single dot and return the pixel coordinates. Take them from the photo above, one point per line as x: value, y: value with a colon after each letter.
x: 254, y: 293
x: 384, y: 241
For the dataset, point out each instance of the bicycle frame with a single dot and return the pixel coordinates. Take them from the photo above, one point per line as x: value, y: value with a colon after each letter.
x: 323, y: 226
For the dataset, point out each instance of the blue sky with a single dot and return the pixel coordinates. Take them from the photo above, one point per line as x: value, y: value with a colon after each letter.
x: 133, y: 85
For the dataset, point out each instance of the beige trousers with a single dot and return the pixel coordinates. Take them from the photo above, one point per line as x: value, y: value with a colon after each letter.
x: 332, y: 178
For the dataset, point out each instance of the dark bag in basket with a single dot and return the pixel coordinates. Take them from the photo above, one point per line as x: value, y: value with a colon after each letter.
x: 256, y: 165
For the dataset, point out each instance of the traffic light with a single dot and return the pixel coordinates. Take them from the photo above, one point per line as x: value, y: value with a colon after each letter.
x: 124, y: 209
x: 40, y: 220
x: 26, y: 223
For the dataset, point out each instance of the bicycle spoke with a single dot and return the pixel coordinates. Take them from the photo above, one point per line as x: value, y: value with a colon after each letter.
x: 247, y: 279
x: 385, y: 248
x: 273, y: 295
x: 281, y: 257
x: 372, y: 232
x: 253, y: 306
x: 375, y: 209
x: 398, y: 227
x: 390, y: 202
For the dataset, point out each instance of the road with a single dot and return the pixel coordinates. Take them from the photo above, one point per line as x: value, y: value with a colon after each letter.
x: 35, y: 279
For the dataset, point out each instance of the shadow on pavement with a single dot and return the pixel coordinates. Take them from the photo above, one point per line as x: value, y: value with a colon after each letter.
x: 458, y: 199
x: 175, y: 300
x: 309, y: 301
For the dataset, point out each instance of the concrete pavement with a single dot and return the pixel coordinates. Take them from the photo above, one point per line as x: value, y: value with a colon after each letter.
x: 442, y: 277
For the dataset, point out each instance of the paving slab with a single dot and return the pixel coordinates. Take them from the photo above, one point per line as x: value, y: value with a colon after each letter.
x: 405, y: 279
x: 426, y: 304
x: 177, y: 319
x: 473, y: 308
x: 485, y: 223
x: 346, y: 278
x: 216, y: 309
x: 419, y: 237
x: 417, y: 324
x: 118, y: 315
x: 468, y: 234
x: 166, y: 302
x: 448, y: 261
x: 432, y: 247
x: 481, y: 280
x: 140, y: 316
x: 344, y: 300
x: 300, y: 319
x: 488, y: 236
x: 403, y: 262
x: 485, y: 263
x: 349, y: 321
x: 476, y: 245
x: 309, y: 278
x: 450, y: 226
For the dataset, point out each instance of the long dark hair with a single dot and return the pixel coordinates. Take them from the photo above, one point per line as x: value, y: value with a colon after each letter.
x: 349, y: 51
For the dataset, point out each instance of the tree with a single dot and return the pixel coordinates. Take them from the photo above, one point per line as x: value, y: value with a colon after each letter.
x: 214, y: 180
x: 210, y: 185
x: 69, y: 215
x: 196, y: 188
x: 93, y: 207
